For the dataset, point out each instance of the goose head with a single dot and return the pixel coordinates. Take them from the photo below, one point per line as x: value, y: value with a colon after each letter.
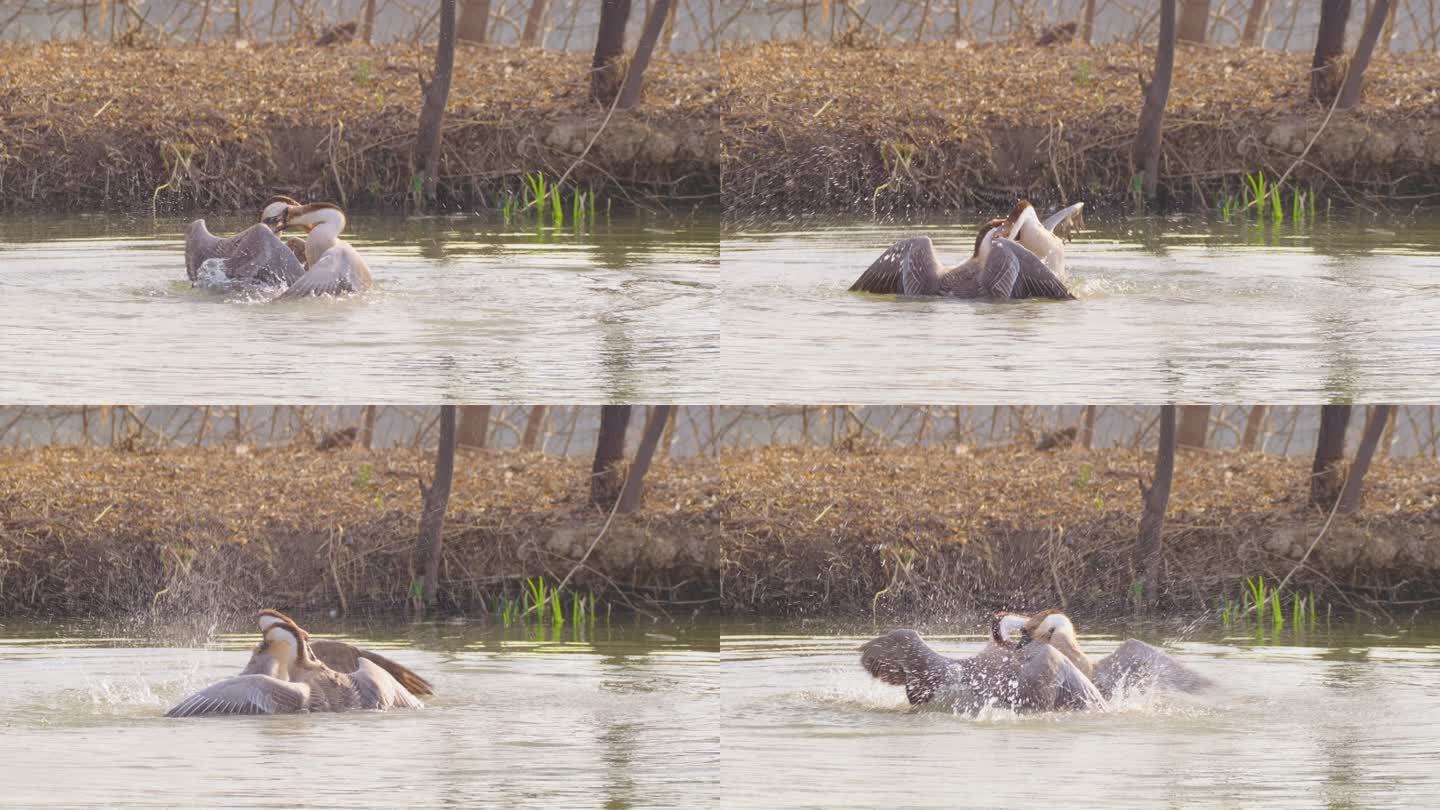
x: 1022, y: 216
x: 312, y: 215
x: 985, y: 238
x: 285, y: 643
x: 1048, y: 626
x: 272, y: 215
x: 1004, y: 625
x: 270, y: 617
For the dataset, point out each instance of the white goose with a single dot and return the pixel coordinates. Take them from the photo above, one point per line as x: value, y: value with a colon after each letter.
x: 1134, y: 666
x: 255, y: 255
x: 334, y: 267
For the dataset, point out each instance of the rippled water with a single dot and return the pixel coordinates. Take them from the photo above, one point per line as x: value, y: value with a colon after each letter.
x: 463, y: 312
x: 626, y: 719
x: 1340, y: 717
x: 1167, y: 310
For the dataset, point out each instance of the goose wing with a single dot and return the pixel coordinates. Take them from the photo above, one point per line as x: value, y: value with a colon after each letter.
x: 343, y: 657
x: 254, y: 254
x: 902, y: 658
x: 1065, y: 222
x: 908, y: 267
x: 244, y: 694
x: 379, y: 690
x: 339, y: 271
x: 1049, y: 680
x: 1012, y: 271
x: 1136, y: 665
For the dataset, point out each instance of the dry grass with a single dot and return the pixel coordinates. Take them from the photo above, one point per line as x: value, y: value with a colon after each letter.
x: 822, y: 531
x: 101, y: 532
x: 818, y: 128
x: 91, y: 126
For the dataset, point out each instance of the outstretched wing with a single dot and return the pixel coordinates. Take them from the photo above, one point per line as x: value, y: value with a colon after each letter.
x: 908, y: 267
x: 1136, y: 665
x: 244, y: 694
x: 902, y: 658
x: 343, y: 657
x: 1012, y: 271
x: 1065, y: 222
x: 1049, y: 680
x: 378, y: 690
x: 254, y: 254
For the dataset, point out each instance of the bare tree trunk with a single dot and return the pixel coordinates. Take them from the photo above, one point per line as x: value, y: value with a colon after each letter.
x: 1087, y: 24
x: 1325, y: 473
x: 534, y: 423
x: 1194, y: 425
x: 607, y: 69
x: 474, y: 425
x: 239, y: 19
x: 474, y: 25
x: 1146, y: 152
x: 1152, y: 520
x: 1194, y: 21
x: 1087, y: 429
x: 1327, y: 65
x: 1355, y: 73
x: 367, y: 427
x: 1375, y: 423
x: 649, y: 34
x: 425, y: 590
x: 1255, y: 22
x: 1254, y: 423
x: 534, y: 23
x: 367, y: 24
x: 635, y: 479
x: 436, y: 93
x: 605, y: 478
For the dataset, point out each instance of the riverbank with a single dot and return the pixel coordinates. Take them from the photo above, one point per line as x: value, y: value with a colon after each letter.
x: 95, y: 127
x: 114, y: 533
x: 917, y: 533
x: 926, y: 128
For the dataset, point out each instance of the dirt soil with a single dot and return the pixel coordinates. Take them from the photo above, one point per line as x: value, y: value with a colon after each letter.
x: 925, y: 532
x: 104, y: 532
x: 896, y: 130
x: 219, y: 127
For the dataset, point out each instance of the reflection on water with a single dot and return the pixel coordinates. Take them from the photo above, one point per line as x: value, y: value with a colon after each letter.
x: 1172, y: 310
x: 463, y: 312
x: 1340, y: 717
x: 624, y: 718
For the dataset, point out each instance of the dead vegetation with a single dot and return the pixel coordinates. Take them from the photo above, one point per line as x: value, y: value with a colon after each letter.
x: 927, y: 532
x: 105, y: 532
x: 817, y: 129
x: 221, y: 127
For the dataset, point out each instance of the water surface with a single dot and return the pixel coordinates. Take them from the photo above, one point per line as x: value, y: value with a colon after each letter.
x: 624, y: 717
x: 98, y: 309
x: 1168, y: 310
x: 1338, y: 717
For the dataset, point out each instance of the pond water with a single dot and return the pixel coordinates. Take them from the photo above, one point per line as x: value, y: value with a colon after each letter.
x: 626, y: 717
x: 1338, y: 717
x: 463, y: 312
x: 1168, y: 310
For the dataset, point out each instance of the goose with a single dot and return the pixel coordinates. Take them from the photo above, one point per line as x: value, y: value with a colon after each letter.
x: 1005, y: 673
x: 254, y: 256
x: 337, y: 655
x: 1045, y: 239
x: 1134, y: 666
x: 333, y: 266
x: 294, y: 680
x: 999, y: 268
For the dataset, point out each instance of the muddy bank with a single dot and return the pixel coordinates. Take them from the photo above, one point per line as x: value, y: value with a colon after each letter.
x: 916, y: 533
x: 98, y: 127
x: 824, y: 129
x: 106, y: 533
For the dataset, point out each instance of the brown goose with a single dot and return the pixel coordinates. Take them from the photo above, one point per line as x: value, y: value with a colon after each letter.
x: 1005, y: 674
x: 294, y: 680
x: 1045, y: 239
x: 337, y: 655
x: 254, y: 256
x: 334, y: 267
x: 999, y: 268
x: 1134, y: 665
